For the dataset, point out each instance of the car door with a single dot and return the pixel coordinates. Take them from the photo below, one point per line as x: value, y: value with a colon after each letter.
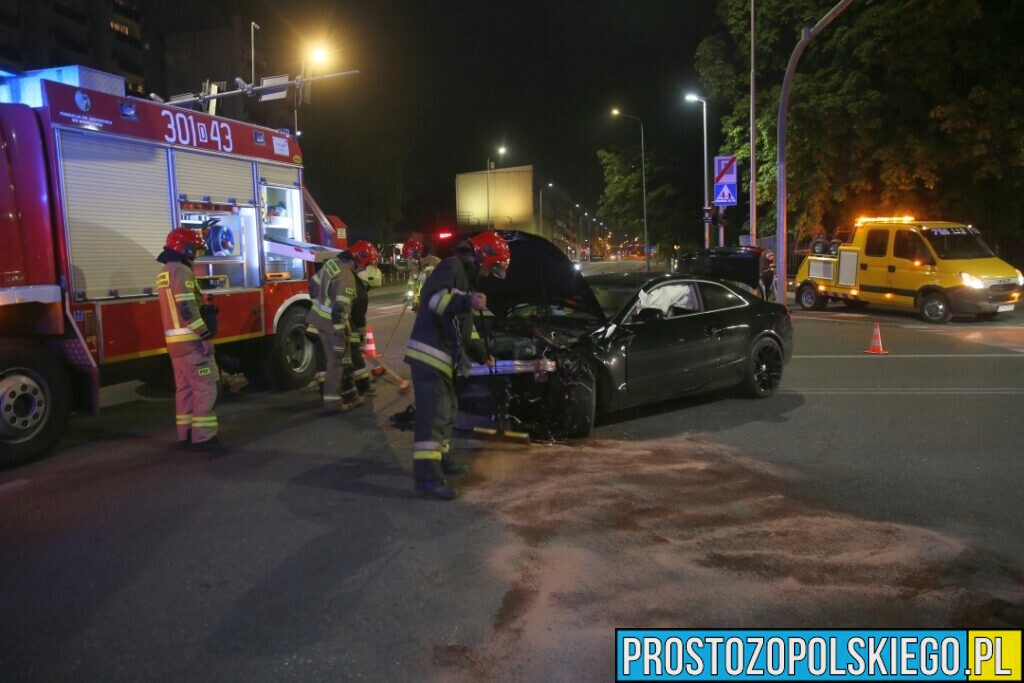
x: 914, y: 265
x: 873, y: 278
x: 727, y: 319
x: 670, y: 353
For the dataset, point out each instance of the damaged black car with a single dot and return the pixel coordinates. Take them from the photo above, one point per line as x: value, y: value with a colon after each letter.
x: 570, y: 349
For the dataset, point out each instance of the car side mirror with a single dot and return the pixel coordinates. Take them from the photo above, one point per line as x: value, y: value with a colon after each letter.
x: 649, y: 315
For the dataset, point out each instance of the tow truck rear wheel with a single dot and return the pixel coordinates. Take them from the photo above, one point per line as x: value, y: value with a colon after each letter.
x: 809, y: 299
x: 934, y: 308
x: 35, y: 402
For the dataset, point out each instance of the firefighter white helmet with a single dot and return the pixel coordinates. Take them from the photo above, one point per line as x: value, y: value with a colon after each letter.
x: 372, y: 276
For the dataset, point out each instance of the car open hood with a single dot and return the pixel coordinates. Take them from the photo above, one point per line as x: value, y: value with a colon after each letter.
x: 739, y: 264
x: 538, y: 273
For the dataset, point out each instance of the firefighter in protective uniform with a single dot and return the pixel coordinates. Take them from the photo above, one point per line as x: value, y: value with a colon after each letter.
x: 332, y: 289
x: 368, y: 275
x: 187, y: 336
x: 443, y: 342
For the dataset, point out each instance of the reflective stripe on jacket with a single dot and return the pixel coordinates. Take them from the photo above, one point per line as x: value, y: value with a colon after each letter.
x: 179, y: 295
x: 443, y: 334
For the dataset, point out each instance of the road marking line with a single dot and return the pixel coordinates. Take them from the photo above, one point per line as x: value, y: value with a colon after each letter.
x: 915, y: 355
x: 14, y: 484
x: 919, y: 391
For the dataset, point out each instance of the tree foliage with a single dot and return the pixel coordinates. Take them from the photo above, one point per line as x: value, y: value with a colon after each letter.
x: 900, y: 106
x: 621, y: 202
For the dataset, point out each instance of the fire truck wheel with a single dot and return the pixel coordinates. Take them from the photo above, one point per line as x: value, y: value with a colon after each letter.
x: 764, y: 369
x: 291, y: 357
x: 809, y: 299
x: 35, y: 402
x: 934, y: 308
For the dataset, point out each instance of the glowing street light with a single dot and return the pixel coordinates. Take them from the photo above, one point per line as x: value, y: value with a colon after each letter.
x: 643, y: 182
x: 318, y: 55
x: 490, y: 167
x: 693, y: 97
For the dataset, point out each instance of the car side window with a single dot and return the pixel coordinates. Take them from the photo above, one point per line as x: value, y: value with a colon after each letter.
x: 877, y: 242
x: 909, y: 245
x: 717, y: 297
x: 673, y: 299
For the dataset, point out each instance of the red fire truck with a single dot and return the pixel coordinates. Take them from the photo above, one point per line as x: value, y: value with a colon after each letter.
x: 91, y: 181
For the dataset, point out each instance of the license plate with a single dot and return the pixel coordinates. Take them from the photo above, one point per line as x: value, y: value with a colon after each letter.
x: 1004, y: 308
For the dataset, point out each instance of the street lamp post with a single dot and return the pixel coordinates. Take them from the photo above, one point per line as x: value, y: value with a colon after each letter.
x: 490, y: 164
x: 643, y: 183
x: 253, y: 27
x: 806, y: 36
x: 753, y: 136
x: 693, y: 97
x: 317, y: 55
x: 540, y: 211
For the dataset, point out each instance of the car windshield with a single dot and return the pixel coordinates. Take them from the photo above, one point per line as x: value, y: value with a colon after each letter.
x: 612, y: 296
x: 957, y: 243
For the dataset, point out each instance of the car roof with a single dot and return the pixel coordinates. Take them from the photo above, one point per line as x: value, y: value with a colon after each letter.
x: 645, y: 280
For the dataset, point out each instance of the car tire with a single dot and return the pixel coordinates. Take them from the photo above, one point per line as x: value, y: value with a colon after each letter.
x: 854, y: 304
x: 934, y: 308
x: 291, y: 355
x: 35, y: 402
x: 582, y: 407
x: 809, y: 299
x: 763, y: 369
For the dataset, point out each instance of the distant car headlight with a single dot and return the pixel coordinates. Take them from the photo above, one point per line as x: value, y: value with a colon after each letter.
x: 409, y: 293
x: 1020, y: 279
x: 971, y: 281
x: 577, y: 266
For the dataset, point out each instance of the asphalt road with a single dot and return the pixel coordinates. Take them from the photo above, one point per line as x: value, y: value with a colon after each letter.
x: 870, y: 491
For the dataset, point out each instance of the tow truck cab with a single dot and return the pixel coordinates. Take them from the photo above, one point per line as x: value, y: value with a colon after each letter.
x: 937, y: 268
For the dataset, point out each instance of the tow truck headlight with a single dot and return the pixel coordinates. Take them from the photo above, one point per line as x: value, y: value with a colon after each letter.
x: 971, y: 281
x: 1020, y: 279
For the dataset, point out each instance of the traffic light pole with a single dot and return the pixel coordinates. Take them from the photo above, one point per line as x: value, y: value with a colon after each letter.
x: 806, y: 36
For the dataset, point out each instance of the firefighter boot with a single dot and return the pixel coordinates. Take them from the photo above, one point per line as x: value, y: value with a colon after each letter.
x: 213, y: 446
x: 430, y: 482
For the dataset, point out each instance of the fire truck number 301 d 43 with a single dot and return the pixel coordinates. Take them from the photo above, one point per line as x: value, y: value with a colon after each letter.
x: 91, y: 183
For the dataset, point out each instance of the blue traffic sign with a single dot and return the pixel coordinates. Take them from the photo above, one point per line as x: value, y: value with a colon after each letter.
x: 725, y: 194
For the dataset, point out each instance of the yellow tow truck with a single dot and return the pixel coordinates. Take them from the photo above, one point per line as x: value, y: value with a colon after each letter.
x: 937, y: 268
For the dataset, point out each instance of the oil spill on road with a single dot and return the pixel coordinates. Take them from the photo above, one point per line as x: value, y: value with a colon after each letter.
x: 684, y: 532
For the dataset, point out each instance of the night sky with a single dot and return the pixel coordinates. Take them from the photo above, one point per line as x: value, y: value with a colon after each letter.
x: 451, y: 81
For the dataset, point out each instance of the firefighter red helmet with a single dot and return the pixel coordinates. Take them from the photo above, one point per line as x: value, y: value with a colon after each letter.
x: 364, y: 253
x: 412, y: 249
x: 185, y: 241
x: 492, y: 252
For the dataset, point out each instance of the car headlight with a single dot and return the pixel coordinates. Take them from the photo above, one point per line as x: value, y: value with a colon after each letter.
x: 409, y: 293
x: 577, y: 266
x: 1020, y: 279
x: 971, y: 281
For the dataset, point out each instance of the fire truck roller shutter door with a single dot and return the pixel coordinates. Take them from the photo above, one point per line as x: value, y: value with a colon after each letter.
x: 278, y: 174
x: 118, y: 210
x: 212, y: 178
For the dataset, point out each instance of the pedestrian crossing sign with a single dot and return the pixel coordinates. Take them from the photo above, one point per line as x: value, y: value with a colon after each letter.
x: 725, y: 194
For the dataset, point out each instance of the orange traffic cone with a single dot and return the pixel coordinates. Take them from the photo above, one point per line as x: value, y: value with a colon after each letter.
x: 370, y: 350
x: 876, y: 342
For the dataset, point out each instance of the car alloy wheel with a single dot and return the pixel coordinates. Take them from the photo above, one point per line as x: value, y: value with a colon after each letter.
x: 767, y: 368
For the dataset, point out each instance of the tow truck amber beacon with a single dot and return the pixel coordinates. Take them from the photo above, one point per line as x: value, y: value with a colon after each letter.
x: 90, y: 184
x: 937, y: 268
